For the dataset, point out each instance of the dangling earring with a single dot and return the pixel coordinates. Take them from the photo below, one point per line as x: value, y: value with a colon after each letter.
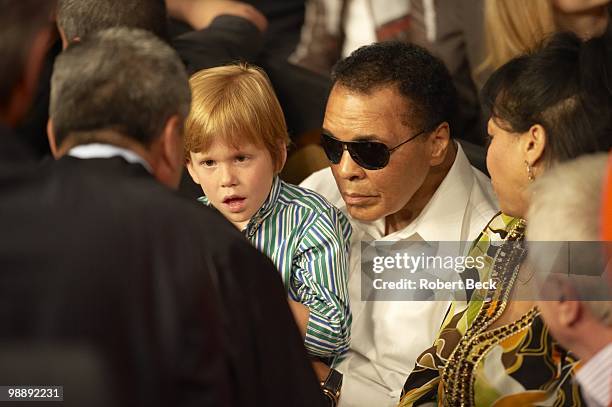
x: 529, y: 172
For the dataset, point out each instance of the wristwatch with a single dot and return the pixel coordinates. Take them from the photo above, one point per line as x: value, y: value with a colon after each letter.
x: 331, y: 387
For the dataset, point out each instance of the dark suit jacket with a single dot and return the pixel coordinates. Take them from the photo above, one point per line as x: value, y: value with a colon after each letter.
x: 173, y: 303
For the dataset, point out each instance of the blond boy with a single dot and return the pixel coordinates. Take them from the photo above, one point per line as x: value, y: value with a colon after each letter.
x: 236, y: 145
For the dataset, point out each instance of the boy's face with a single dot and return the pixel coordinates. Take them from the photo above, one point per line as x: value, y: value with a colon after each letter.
x: 236, y: 181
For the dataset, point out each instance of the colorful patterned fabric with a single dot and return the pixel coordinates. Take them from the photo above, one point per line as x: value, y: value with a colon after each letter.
x: 471, y: 364
x: 308, y: 240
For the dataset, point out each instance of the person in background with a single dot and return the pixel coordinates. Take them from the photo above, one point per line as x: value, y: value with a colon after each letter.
x: 576, y: 302
x: 606, y: 213
x: 544, y: 109
x: 398, y: 175
x: 169, y: 308
x: 514, y: 27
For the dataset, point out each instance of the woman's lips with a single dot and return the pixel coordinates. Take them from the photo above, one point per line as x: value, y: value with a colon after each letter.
x: 235, y: 204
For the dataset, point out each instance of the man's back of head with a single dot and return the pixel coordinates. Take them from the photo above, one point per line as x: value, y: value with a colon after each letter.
x: 568, y: 257
x: 121, y: 86
x: 78, y: 19
x: 93, y: 252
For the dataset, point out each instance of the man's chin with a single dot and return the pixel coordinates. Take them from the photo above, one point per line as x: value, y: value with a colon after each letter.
x: 365, y: 213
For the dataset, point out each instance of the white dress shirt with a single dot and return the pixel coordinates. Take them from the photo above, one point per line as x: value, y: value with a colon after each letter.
x: 103, y: 150
x: 595, y: 379
x: 388, y: 336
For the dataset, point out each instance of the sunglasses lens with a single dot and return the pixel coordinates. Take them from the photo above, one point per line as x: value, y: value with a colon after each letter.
x: 370, y: 155
x: 332, y: 147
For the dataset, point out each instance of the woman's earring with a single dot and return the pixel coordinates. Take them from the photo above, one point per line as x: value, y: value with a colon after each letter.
x: 530, y: 175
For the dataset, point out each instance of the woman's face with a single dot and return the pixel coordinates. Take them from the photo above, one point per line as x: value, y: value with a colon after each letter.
x: 586, y: 18
x: 506, y: 164
x: 578, y: 6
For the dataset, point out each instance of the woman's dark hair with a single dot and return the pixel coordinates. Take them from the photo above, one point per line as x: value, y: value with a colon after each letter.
x: 566, y: 87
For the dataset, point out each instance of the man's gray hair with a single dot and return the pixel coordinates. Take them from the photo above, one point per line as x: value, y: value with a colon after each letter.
x: 120, y: 79
x: 566, y: 207
x: 81, y: 18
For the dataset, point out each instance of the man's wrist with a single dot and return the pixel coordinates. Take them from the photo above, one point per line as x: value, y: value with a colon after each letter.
x: 332, y: 386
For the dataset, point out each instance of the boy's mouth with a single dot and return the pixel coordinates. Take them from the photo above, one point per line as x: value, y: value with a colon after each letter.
x: 234, y: 203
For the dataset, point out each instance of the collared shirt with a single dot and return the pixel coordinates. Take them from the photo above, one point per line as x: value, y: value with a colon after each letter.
x: 595, y: 378
x: 388, y: 336
x: 103, y: 150
x: 308, y: 240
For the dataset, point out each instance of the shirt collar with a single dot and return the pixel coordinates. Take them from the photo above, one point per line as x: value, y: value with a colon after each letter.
x: 595, y: 377
x: 442, y: 218
x: 263, y: 212
x: 103, y: 150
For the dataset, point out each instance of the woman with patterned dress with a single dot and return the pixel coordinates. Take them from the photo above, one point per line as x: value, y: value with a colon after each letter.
x: 498, y: 351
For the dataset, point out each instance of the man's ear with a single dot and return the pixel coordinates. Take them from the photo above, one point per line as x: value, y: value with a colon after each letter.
x: 439, y: 140
x: 25, y: 88
x: 569, y: 309
x: 173, y: 139
x: 65, y: 41
x: 534, y: 142
x: 52, y: 140
x: 282, y: 148
x: 63, y: 37
x: 171, y: 155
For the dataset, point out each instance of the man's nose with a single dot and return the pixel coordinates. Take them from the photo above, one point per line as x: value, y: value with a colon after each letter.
x: 348, y: 168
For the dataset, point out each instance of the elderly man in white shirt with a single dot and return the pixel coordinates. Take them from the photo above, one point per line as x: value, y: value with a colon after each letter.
x: 398, y: 176
x: 575, y: 301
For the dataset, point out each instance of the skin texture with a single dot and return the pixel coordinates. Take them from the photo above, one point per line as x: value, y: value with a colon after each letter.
x: 200, y: 13
x: 575, y: 6
x: 164, y: 155
x: 571, y: 322
x: 13, y: 112
x: 507, y: 160
x: 245, y: 172
x: 586, y: 18
x: 399, y: 191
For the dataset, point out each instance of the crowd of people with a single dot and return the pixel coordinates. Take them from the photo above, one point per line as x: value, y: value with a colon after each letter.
x: 154, y: 253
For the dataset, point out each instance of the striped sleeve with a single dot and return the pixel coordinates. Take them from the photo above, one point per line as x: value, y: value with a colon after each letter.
x: 320, y: 282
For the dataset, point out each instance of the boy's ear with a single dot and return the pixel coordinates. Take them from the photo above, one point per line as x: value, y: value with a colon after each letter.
x: 282, y: 148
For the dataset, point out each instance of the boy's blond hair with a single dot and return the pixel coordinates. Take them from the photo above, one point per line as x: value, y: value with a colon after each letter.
x: 235, y: 104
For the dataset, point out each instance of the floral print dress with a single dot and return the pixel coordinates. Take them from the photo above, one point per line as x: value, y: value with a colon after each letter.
x: 471, y: 364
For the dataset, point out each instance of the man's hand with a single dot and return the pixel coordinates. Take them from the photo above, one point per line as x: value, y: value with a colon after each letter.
x: 301, y: 313
x: 200, y: 13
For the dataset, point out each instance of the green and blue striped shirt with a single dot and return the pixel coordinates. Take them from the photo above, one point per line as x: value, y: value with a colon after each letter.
x: 308, y: 240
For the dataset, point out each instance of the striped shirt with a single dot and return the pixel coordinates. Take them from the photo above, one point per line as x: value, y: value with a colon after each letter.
x: 308, y: 240
x: 595, y: 378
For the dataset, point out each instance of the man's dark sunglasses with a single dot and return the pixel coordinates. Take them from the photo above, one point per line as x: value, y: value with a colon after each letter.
x: 371, y: 155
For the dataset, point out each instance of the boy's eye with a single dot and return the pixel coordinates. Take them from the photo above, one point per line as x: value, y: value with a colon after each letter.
x: 207, y: 163
x: 241, y: 158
